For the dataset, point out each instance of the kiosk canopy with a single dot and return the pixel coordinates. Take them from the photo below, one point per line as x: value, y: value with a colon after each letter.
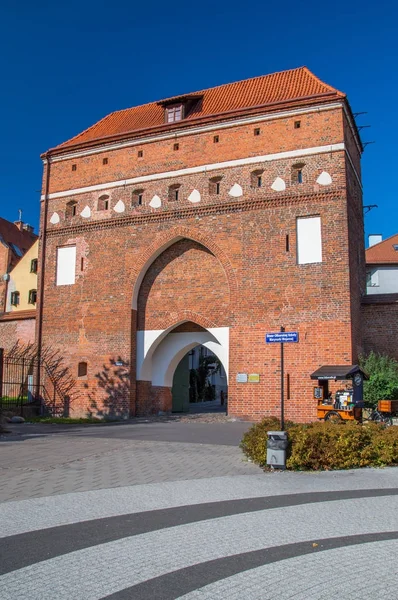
x: 338, y: 372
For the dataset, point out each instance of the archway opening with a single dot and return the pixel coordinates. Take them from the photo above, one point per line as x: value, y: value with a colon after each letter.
x: 199, y: 383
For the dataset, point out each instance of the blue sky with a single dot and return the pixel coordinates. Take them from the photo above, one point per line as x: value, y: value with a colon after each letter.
x: 65, y: 65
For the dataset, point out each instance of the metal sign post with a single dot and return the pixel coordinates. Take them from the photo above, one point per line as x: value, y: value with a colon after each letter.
x: 281, y: 338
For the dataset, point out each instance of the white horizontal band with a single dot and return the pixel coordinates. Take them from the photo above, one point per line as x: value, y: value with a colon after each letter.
x: 106, y: 147
x: 200, y: 169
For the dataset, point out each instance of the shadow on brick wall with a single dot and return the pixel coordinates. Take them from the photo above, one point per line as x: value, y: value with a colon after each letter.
x: 115, y: 383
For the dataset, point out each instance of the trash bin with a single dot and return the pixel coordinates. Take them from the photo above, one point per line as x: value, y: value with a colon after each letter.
x: 276, y: 449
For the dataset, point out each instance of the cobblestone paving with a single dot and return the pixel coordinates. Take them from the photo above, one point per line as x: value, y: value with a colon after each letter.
x: 325, y: 548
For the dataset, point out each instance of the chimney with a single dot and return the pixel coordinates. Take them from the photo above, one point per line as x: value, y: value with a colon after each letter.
x: 27, y: 227
x: 374, y: 238
x: 19, y: 224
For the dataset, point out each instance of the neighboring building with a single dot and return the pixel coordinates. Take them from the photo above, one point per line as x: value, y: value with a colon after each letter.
x: 18, y: 248
x: 380, y: 305
x: 382, y: 265
x: 209, y: 218
x: 15, y: 240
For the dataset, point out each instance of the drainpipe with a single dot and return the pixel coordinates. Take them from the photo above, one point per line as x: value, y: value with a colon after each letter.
x: 43, y: 240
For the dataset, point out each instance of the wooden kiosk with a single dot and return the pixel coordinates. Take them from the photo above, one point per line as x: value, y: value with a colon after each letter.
x: 348, y: 403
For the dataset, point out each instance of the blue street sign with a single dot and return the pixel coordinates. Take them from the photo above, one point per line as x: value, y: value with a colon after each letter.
x: 282, y: 337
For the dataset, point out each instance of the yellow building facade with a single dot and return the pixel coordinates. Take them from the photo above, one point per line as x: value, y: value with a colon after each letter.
x: 22, y: 283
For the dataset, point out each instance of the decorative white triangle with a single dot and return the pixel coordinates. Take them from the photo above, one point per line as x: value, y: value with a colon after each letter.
x: 86, y: 212
x: 54, y: 218
x: 119, y: 207
x: 279, y: 185
x: 324, y: 178
x: 194, y: 196
x: 236, y: 191
x: 155, y: 202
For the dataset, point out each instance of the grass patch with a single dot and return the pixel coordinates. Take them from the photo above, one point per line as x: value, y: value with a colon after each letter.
x: 67, y: 420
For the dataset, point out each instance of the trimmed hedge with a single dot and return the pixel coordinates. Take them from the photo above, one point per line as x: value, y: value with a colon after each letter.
x: 326, y: 446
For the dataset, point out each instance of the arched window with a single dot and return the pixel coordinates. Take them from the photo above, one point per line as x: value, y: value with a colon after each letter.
x: 71, y: 209
x: 137, y: 198
x: 174, y: 192
x: 215, y: 185
x: 297, y: 173
x: 257, y: 178
x: 32, y: 297
x: 103, y: 202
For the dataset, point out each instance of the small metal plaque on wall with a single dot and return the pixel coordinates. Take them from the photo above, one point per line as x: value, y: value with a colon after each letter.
x: 241, y: 378
x: 254, y: 378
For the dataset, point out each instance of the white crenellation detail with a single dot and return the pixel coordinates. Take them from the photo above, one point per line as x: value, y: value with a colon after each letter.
x: 194, y: 196
x: 251, y: 160
x: 324, y: 178
x: 86, y: 212
x: 155, y: 202
x: 119, y: 207
x: 236, y: 191
x: 279, y: 185
x: 54, y: 218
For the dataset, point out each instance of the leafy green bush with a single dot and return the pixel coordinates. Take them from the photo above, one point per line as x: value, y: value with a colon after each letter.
x: 327, y: 446
x: 383, y: 381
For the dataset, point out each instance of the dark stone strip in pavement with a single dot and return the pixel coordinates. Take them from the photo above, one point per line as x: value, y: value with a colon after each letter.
x: 21, y: 550
x: 178, y: 583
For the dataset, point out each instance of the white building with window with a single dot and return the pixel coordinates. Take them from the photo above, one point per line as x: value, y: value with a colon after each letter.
x: 382, y: 265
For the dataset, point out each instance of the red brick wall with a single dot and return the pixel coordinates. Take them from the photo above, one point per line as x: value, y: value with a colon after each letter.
x: 18, y: 330
x: 380, y: 327
x: 231, y: 269
x: 279, y: 135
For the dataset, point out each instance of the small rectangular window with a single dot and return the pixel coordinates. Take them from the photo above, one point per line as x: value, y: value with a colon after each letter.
x: 216, y: 139
x: 297, y: 124
x: 82, y: 369
x: 218, y: 187
x: 74, y: 167
x: 104, y: 161
x: 176, y: 147
x: 299, y: 176
x: 287, y: 243
x: 82, y: 263
x: 33, y: 265
x: 32, y: 298
x: 309, y: 240
x: 140, y: 153
x: 257, y: 131
x: 14, y: 298
x: 66, y: 265
x: 259, y: 181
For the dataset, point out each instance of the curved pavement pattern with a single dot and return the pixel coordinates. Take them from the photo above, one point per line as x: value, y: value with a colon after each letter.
x: 246, y: 535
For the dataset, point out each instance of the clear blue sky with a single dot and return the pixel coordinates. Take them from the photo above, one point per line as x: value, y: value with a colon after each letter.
x: 64, y: 65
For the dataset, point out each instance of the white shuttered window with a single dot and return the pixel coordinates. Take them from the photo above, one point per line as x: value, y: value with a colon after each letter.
x: 66, y: 265
x: 309, y: 240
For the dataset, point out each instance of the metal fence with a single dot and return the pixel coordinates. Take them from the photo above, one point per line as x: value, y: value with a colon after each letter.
x: 28, y: 387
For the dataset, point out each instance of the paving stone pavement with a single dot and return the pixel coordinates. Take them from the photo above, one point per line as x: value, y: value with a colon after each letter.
x: 173, y: 510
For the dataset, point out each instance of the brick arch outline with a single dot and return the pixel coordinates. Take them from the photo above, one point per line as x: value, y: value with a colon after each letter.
x: 167, y: 239
x: 182, y: 316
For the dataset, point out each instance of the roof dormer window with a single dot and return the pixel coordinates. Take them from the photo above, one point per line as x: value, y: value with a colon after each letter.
x: 174, y: 113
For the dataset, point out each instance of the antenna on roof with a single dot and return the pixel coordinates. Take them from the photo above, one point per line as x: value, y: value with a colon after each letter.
x: 368, y: 207
x: 19, y: 214
x: 364, y: 144
x: 363, y: 127
x: 365, y: 112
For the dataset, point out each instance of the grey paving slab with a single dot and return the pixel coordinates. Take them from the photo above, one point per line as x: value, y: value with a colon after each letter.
x: 114, y: 566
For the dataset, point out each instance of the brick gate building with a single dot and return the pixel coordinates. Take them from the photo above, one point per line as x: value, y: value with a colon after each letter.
x: 209, y: 218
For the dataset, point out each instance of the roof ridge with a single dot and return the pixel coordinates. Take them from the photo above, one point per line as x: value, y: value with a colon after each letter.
x: 382, y: 241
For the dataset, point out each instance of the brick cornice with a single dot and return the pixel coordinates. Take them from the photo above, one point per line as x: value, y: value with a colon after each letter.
x: 202, y: 211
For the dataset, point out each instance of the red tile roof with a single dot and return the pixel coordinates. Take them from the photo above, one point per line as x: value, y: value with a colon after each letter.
x: 285, y: 87
x: 13, y: 236
x: 383, y: 252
